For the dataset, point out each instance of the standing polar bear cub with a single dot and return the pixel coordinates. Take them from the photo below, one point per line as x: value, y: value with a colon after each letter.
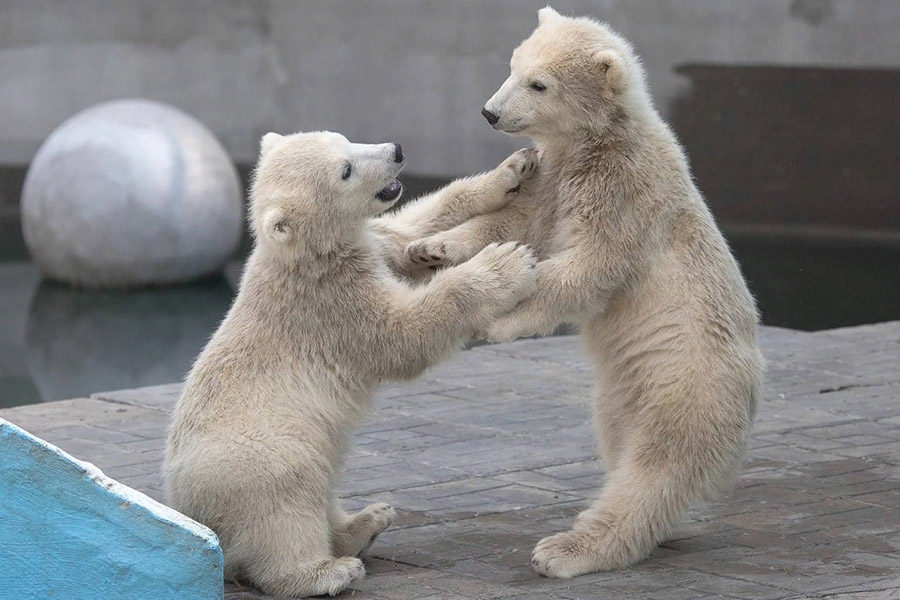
x: 261, y: 429
x: 630, y: 253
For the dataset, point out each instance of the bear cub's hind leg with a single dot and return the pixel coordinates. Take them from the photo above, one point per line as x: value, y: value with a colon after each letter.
x: 285, y: 551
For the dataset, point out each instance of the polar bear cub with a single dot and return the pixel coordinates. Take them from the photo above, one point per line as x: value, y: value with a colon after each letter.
x: 261, y: 429
x: 631, y: 255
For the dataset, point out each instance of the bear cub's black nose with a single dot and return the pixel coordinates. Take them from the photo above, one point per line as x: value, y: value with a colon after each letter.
x: 398, y: 153
x: 491, y: 117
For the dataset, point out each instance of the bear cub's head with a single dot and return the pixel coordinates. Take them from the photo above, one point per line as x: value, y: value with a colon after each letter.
x: 570, y: 74
x: 311, y: 190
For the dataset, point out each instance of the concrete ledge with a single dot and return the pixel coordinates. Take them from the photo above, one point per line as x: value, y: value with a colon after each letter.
x: 69, y: 531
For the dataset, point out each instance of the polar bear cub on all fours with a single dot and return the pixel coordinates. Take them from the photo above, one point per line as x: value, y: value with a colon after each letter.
x: 261, y: 429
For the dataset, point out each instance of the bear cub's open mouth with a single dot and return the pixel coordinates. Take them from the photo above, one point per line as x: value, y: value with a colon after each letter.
x: 391, y: 191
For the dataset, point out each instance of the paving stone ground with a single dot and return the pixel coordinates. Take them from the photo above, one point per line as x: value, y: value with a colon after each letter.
x: 492, y: 450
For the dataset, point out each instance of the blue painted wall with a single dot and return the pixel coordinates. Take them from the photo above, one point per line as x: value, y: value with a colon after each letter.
x: 69, y: 532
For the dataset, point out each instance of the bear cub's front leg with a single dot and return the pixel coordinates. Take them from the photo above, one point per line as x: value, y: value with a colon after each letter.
x: 494, y: 190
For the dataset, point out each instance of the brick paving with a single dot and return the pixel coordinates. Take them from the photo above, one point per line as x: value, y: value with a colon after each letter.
x: 492, y: 450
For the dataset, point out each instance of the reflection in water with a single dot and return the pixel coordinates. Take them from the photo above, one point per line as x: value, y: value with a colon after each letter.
x: 79, y: 341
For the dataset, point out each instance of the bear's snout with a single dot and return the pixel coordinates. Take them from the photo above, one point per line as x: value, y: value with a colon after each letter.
x: 398, y: 153
x: 491, y: 117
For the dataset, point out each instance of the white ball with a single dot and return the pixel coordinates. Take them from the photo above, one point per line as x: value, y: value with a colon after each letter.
x: 131, y: 192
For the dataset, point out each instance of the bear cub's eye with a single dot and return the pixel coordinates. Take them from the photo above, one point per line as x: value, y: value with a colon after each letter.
x: 538, y: 86
x: 348, y: 169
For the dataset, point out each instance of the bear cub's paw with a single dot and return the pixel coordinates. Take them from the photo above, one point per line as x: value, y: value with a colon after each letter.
x: 518, y: 169
x: 564, y: 555
x: 376, y: 518
x: 511, y: 272
x: 429, y: 252
x: 341, y: 572
x: 591, y: 546
x: 381, y: 514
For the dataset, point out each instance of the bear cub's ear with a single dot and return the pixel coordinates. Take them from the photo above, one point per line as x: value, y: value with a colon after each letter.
x: 610, y: 64
x: 268, y: 142
x: 275, y: 225
x: 547, y: 14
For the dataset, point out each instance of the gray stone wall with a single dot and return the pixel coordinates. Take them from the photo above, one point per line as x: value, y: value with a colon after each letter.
x: 416, y: 72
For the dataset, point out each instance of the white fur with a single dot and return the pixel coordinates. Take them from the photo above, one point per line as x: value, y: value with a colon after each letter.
x: 630, y: 253
x: 261, y: 430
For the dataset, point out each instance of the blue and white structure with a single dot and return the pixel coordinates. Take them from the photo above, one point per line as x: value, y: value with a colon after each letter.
x: 67, y: 531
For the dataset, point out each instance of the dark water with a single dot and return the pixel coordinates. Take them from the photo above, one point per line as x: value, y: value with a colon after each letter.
x: 57, y: 342
x: 814, y: 285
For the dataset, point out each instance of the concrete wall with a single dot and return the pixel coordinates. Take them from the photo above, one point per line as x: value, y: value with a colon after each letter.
x: 415, y: 72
